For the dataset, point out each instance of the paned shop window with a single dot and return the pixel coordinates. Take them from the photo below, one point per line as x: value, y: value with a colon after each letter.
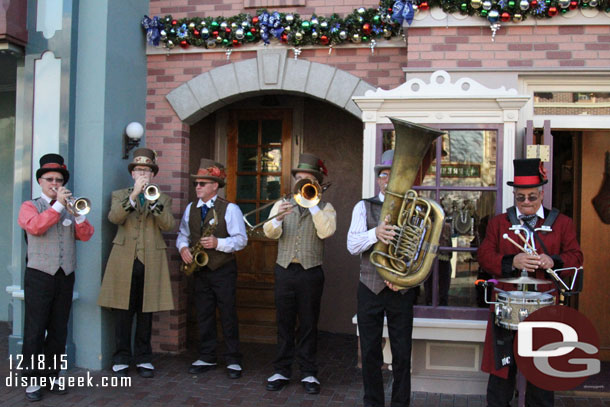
x: 459, y: 171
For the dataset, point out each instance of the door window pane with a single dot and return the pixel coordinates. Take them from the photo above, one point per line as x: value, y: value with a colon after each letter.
x: 469, y: 158
x: 271, y: 131
x: 246, y: 159
x: 270, y: 187
x: 246, y: 187
x: 247, y: 132
x: 271, y: 159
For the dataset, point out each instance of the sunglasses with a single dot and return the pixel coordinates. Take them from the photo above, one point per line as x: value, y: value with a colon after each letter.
x: 530, y: 197
x: 202, y: 183
x: 51, y: 179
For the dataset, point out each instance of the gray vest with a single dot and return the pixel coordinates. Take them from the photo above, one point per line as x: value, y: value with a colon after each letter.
x: 368, y: 274
x: 299, y: 240
x: 54, y: 249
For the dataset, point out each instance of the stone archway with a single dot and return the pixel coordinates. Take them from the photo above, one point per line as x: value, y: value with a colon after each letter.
x: 270, y: 71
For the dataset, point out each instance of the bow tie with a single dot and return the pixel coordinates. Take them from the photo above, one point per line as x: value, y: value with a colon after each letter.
x: 529, y: 220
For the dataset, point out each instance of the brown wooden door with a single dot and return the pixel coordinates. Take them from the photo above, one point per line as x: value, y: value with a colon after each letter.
x: 258, y: 162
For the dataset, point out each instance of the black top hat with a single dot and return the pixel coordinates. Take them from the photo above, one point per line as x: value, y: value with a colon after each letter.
x: 311, y: 164
x: 144, y: 157
x: 53, y: 162
x: 529, y: 173
x: 212, y: 170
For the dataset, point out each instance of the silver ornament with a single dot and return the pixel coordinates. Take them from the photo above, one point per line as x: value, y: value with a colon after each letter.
x: 476, y: 4
x: 245, y: 24
x: 314, y: 22
x: 289, y: 18
x: 524, y: 4
x: 239, y: 34
x: 163, y: 35
x: 314, y: 34
x: 356, y: 38
x: 191, y: 26
x: 287, y: 28
x: 593, y: 3
x: 487, y: 5
x: 298, y: 36
x: 361, y: 10
x: 564, y: 3
x: 210, y: 43
x: 343, y: 35
x: 324, y: 25
x: 170, y: 44
x: 223, y: 25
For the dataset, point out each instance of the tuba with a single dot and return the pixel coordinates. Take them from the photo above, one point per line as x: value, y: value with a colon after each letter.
x: 418, y: 222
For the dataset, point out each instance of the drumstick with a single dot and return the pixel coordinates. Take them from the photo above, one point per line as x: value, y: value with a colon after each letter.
x: 527, y: 244
x: 505, y: 236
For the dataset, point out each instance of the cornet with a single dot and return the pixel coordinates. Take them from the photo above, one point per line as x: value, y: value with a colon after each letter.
x: 77, y: 206
x: 307, y: 194
x: 151, y: 192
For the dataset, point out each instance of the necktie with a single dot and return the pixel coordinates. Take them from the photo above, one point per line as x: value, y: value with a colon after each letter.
x: 141, y: 198
x: 530, y: 220
x: 52, y: 201
x: 204, y: 212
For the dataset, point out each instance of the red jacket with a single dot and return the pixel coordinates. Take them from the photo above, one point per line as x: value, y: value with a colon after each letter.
x: 495, y: 255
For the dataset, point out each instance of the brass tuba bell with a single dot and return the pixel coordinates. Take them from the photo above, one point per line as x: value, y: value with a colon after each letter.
x: 407, y: 260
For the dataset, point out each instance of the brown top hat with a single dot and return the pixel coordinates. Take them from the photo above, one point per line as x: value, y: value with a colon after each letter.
x: 212, y: 170
x: 386, y: 162
x: 529, y: 173
x: 144, y: 157
x: 311, y: 164
x: 53, y: 162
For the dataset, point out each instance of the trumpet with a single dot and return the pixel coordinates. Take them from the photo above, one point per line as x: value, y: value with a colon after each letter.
x: 77, y: 206
x: 151, y: 192
x: 306, y: 193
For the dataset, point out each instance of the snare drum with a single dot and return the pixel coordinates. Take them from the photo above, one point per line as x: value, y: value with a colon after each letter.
x: 514, y: 306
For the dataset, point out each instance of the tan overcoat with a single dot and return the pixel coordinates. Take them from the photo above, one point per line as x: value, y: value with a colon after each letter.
x: 116, y: 284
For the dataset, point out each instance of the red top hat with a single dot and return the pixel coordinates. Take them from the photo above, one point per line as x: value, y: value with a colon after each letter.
x: 53, y: 162
x: 529, y: 173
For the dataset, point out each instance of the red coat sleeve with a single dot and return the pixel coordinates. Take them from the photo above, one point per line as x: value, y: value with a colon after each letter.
x: 36, y: 223
x: 83, y: 231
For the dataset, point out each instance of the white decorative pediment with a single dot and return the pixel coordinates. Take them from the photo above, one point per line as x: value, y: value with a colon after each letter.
x: 440, y: 86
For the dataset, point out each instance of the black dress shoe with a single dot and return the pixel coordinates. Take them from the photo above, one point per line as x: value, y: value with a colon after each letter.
x: 121, y: 373
x: 34, y: 395
x: 197, y: 369
x: 233, y: 373
x: 276, y: 385
x: 145, y: 373
x: 311, y: 387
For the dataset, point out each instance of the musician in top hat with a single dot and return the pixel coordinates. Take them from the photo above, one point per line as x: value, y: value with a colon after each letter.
x: 377, y: 298
x: 557, y: 247
x: 137, y: 280
x: 219, y: 227
x: 299, y: 278
x: 51, y: 231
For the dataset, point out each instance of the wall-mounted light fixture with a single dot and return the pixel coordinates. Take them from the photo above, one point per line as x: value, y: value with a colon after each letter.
x: 131, y: 138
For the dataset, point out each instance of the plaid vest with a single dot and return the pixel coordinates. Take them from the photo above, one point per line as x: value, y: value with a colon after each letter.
x: 368, y: 273
x: 299, y: 240
x: 215, y: 258
x: 56, y: 248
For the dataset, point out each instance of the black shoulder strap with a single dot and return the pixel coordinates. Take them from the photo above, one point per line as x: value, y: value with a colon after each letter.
x: 551, y: 217
x: 373, y: 200
x: 512, y: 216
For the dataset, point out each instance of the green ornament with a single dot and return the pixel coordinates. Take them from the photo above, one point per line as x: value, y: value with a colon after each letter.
x: 484, y: 13
x: 463, y: 6
x: 564, y: 10
x: 249, y: 36
x: 548, y: 2
x: 306, y: 25
x: 215, y: 25
x: 365, y: 38
x: 376, y: 19
x: 225, y: 42
x: 512, y: 4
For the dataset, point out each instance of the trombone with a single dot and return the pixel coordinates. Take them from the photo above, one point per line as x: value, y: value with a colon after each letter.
x: 306, y: 193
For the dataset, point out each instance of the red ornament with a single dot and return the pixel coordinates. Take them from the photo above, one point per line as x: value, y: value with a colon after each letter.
x: 236, y: 43
x: 253, y: 30
x: 423, y: 6
x: 573, y: 5
x: 215, y: 33
x: 533, y: 3
x: 324, y: 40
x: 196, y: 33
x: 254, y: 20
x: 552, y: 11
x: 366, y: 28
x: 228, y: 30
x: 284, y: 37
x: 174, y: 22
x: 389, y: 10
x: 505, y: 17
x: 184, y: 44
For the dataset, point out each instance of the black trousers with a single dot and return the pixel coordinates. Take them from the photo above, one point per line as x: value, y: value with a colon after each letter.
x: 298, y: 293
x: 398, y: 308
x: 216, y: 288
x: 142, y: 349
x: 48, y: 300
x: 500, y: 392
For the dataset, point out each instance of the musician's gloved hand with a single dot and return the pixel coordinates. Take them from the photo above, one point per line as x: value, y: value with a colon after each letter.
x: 384, y: 231
x: 187, y: 256
x: 209, y: 242
x: 528, y: 262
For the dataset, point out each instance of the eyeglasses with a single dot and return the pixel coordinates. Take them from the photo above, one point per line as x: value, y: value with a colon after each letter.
x: 202, y: 183
x: 145, y: 170
x: 383, y: 175
x: 50, y: 179
x: 530, y: 197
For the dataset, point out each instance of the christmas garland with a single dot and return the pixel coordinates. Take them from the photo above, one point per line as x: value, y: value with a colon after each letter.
x: 362, y: 25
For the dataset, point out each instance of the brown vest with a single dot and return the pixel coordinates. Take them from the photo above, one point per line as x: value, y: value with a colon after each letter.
x: 368, y: 273
x: 216, y: 258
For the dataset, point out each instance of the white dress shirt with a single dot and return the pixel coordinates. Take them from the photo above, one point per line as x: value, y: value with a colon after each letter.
x: 237, y: 240
x: 58, y: 207
x: 539, y: 213
x: 359, y: 239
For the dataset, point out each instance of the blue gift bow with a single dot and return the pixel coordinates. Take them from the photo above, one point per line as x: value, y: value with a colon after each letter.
x: 152, y: 29
x: 270, y: 24
x: 403, y: 11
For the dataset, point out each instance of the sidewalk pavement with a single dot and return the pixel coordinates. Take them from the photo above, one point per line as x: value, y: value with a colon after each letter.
x: 173, y: 386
